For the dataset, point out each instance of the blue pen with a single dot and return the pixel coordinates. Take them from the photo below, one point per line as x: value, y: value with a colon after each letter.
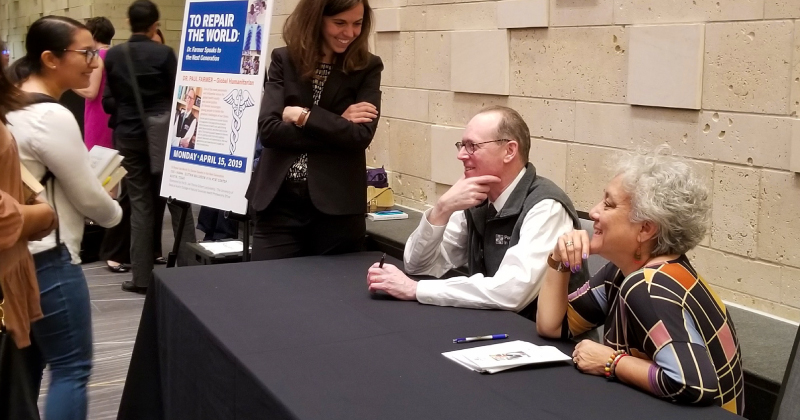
x: 481, y: 338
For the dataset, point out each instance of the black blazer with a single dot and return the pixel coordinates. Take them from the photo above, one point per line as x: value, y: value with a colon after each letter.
x: 335, y: 146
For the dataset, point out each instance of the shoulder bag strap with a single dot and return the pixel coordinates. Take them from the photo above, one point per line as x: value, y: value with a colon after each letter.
x: 49, y: 181
x: 134, y: 83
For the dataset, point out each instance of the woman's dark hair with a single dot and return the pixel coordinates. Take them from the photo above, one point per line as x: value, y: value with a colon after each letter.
x: 302, y: 34
x: 102, y: 29
x: 48, y: 33
x: 10, y: 97
x: 142, y: 14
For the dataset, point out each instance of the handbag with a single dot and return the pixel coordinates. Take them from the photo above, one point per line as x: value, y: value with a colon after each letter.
x: 377, y: 177
x: 19, y: 388
x: 379, y: 199
x: 156, y: 127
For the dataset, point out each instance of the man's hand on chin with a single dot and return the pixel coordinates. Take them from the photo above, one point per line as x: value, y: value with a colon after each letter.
x: 465, y: 193
x: 392, y: 281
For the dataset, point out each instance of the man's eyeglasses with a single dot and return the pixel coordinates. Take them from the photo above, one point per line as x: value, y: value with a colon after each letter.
x: 6, y: 52
x: 89, y: 54
x: 472, y: 147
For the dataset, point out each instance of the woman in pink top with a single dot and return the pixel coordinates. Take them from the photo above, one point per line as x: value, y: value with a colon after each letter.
x: 95, y: 120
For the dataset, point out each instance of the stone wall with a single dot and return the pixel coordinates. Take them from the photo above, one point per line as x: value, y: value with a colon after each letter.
x: 717, y: 80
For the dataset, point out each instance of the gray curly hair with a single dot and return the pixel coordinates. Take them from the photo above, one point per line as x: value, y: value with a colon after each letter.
x: 665, y: 190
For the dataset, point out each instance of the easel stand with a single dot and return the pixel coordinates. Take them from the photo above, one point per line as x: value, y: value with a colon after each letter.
x: 244, y: 219
x: 172, y: 258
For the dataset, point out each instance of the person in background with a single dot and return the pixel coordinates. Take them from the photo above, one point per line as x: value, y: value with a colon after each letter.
x: 318, y: 115
x: 20, y: 221
x: 60, y: 55
x: 654, y: 305
x: 499, y: 219
x: 115, y: 248
x: 155, y: 68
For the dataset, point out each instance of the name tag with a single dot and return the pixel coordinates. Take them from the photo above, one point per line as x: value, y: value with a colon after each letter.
x: 502, y: 239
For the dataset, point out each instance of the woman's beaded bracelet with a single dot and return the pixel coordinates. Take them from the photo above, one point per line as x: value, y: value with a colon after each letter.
x: 612, y: 363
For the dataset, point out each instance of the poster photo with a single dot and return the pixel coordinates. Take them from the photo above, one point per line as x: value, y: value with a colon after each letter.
x: 216, y: 103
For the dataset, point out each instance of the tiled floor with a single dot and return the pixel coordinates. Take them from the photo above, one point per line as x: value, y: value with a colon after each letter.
x: 115, y: 320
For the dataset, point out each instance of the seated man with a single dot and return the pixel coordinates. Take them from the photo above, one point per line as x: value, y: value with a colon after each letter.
x: 500, y: 219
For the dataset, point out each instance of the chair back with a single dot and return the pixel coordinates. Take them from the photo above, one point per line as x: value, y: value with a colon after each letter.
x: 788, y: 405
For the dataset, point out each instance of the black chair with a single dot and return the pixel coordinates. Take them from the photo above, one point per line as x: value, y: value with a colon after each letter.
x: 788, y: 405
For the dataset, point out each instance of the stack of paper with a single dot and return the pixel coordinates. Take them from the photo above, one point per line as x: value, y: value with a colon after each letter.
x: 387, y: 215
x: 224, y: 247
x: 503, y: 356
x: 106, y: 163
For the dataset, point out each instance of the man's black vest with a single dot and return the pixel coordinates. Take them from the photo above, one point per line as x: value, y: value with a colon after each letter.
x: 490, y: 237
x: 184, y: 123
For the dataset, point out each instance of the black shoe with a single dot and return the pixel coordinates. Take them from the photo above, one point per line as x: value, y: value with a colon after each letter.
x: 119, y: 268
x: 128, y: 286
x: 159, y: 261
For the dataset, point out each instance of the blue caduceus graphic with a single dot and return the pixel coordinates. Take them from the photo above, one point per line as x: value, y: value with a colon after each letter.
x: 239, y: 100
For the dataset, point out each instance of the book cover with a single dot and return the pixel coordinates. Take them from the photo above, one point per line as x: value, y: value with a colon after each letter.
x: 31, y: 185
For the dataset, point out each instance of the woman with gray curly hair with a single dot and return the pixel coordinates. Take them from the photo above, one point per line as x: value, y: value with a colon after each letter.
x: 655, y: 307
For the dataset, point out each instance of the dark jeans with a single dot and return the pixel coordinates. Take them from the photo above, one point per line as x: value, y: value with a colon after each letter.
x: 143, y: 191
x: 64, y: 335
x: 292, y: 227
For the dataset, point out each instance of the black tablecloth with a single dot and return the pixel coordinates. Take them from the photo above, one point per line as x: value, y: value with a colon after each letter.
x: 303, y: 339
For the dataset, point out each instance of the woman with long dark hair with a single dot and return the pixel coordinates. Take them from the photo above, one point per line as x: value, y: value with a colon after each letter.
x: 318, y: 115
x: 22, y: 219
x: 60, y: 55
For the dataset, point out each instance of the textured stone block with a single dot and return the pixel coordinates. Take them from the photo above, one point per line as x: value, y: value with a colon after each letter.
x: 408, y: 104
x: 172, y: 25
x: 679, y: 11
x: 403, y: 66
x: 548, y: 118
x: 479, y: 62
x: 276, y: 24
x: 80, y: 13
x: 384, y: 48
x: 284, y: 7
x: 460, y: 17
x: 387, y: 20
x: 773, y: 308
x: 747, y: 66
x: 735, y: 210
x: 523, y: 14
x: 794, y: 100
x: 456, y: 109
x: 790, y: 286
x: 413, y: 18
x: 410, y: 148
x: 275, y: 41
x: 381, y: 4
x: 781, y: 9
x: 432, y: 60
x: 588, y: 174
x: 778, y: 229
x: 377, y: 153
x: 794, y: 153
x: 744, y: 275
x: 53, y: 5
x: 665, y: 65
x: 445, y: 167
x: 754, y: 140
x: 581, y: 12
x: 412, y: 191
x: 570, y: 63
x: 628, y: 127
x: 550, y: 160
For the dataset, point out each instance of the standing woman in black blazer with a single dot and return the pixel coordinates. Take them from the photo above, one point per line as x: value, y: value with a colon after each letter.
x: 319, y: 113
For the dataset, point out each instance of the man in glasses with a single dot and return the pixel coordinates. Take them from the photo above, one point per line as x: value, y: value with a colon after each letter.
x: 500, y: 219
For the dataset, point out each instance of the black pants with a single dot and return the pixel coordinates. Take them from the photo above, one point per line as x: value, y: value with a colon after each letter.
x: 146, y: 209
x: 116, y: 244
x: 292, y: 227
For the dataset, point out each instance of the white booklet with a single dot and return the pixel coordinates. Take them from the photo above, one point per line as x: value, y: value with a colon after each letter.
x: 498, y: 357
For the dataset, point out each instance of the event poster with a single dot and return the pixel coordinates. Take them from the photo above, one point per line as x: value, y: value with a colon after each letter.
x: 214, y: 121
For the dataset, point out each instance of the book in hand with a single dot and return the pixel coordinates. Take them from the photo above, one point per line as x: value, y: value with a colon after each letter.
x: 31, y: 186
x: 499, y: 357
x: 387, y: 215
x: 106, y: 164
